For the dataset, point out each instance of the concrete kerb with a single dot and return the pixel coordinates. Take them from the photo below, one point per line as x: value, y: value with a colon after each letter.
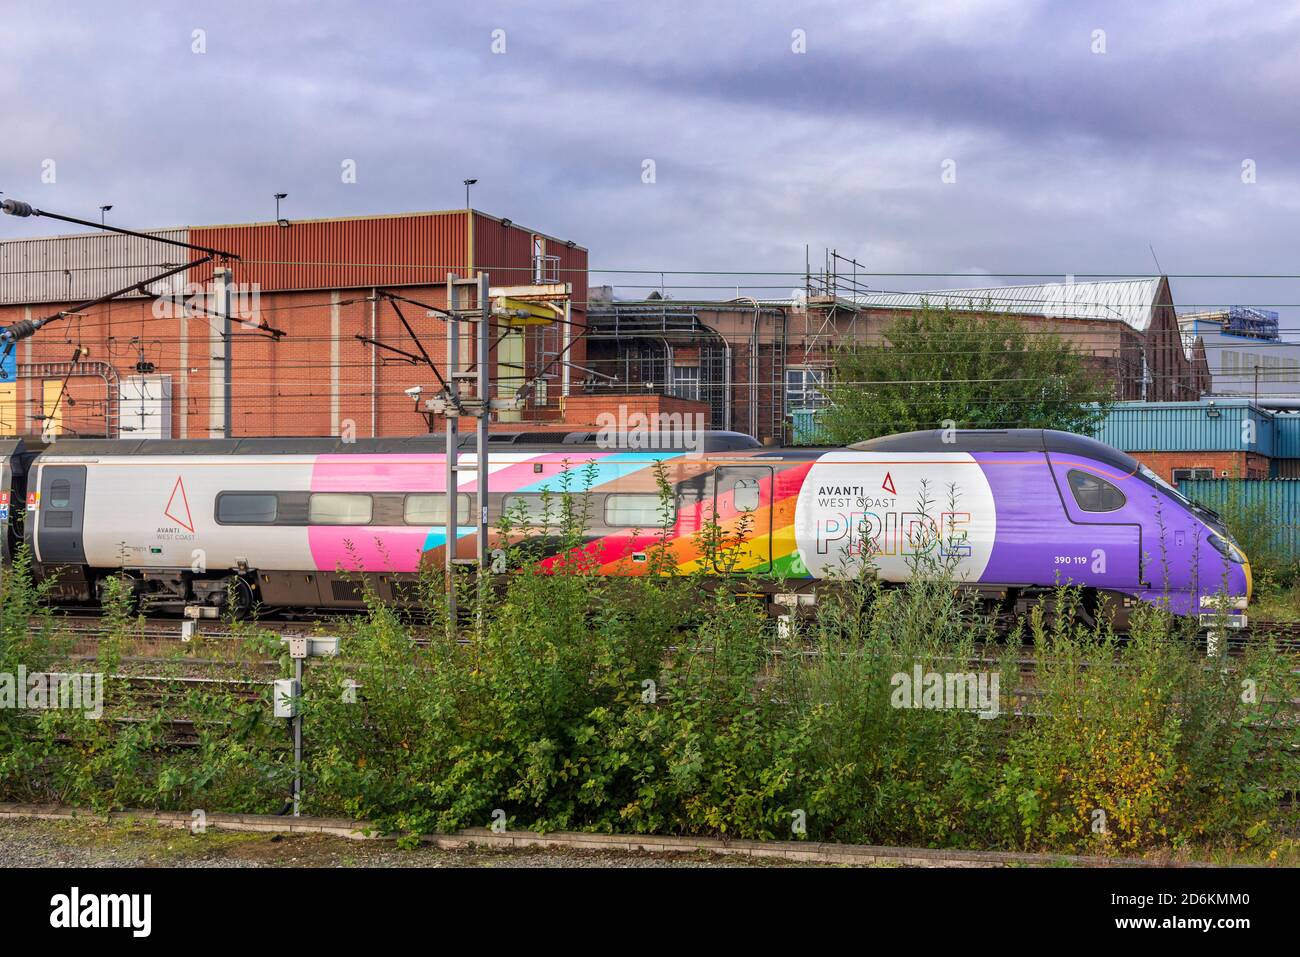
x: 802, y: 851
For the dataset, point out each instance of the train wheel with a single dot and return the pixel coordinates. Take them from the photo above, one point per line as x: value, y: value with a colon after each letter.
x: 241, y: 599
x: 122, y: 593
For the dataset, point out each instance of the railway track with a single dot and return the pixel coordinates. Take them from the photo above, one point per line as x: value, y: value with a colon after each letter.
x: 151, y: 638
x: 89, y: 621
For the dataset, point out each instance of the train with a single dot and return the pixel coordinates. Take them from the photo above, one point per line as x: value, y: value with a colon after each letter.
x: 208, y: 526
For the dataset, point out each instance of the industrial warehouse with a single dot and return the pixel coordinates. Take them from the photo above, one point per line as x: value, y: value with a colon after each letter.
x: 331, y: 323
x: 509, y: 453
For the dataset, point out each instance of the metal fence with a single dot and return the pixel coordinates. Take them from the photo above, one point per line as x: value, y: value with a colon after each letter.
x: 806, y: 429
x: 1278, y: 498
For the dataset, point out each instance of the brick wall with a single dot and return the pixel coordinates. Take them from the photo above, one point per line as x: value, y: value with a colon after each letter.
x: 1225, y: 464
x: 585, y: 411
x: 314, y: 380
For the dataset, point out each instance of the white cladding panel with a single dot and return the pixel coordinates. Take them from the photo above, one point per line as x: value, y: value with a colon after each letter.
x: 88, y: 265
x: 160, y: 511
x: 850, y: 499
x: 146, y: 410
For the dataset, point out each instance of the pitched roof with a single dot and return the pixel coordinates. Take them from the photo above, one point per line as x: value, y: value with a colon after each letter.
x: 1129, y: 300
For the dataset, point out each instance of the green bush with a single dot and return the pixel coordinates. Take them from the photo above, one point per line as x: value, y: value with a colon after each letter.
x: 667, y: 704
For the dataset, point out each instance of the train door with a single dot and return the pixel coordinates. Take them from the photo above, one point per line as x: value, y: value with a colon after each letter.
x: 1105, y: 547
x: 61, y: 512
x: 744, y: 493
x: 11, y: 493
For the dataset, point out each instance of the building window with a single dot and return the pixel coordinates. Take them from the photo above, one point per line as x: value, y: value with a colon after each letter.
x: 1192, y: 475
x: 804, y: 389
x: 686, y: 382
x: 246, y: 508
x: 339, y: 508
x: 638, y: 511
x: 430, y: 508
x: 1094, y: 493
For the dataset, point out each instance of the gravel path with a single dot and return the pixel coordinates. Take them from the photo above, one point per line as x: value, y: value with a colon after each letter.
x: 94, y: 844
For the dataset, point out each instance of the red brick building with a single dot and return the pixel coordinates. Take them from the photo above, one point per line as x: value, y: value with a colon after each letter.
x: 759, y: 363
x: 313, y: 297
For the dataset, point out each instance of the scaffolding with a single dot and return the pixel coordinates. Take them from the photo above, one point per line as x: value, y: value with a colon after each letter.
x: 736, y: 354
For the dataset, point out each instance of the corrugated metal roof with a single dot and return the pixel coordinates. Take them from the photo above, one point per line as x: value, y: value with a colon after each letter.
x: 85, y: 266
x: 393, y: 249
x: 342, y: 254
x: 1131, y: 301
x: 1215, y: 425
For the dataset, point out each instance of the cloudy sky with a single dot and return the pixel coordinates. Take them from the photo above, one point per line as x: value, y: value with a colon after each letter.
x: 919, y: 136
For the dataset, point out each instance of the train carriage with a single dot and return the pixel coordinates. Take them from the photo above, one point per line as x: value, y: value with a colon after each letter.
x: 294, y: 523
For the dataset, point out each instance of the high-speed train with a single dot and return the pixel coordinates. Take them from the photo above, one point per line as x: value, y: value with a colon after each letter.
x: 295, y: 523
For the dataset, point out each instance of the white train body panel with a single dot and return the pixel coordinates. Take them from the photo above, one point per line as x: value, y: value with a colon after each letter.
x: 857, y: 503
x: 160, y: 512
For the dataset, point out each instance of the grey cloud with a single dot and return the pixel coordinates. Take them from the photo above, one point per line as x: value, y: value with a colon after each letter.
x: 1066, y: 160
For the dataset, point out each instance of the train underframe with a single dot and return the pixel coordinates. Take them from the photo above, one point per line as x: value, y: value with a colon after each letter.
x: 239, y: 593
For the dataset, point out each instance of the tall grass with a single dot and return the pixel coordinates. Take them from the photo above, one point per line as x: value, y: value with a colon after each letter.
x: 674, y: 704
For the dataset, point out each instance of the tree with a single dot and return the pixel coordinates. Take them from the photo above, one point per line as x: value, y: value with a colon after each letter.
x: 976, y: 369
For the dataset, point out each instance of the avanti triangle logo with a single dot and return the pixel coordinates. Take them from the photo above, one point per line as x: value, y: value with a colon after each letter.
x: 888, y: 485
x: 174, y: 506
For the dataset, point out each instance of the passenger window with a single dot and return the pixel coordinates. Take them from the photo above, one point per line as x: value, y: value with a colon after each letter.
x: 745, y: 495
x: 1094, y: 493
x: 339, y: 508
x: 638, y: 511
x: 530, y: 507
x: 246, y: 508
x: 430, y: 508
x: 60, y: 494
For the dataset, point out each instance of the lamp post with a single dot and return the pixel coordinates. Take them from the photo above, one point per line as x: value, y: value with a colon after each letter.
x: 468, y: 184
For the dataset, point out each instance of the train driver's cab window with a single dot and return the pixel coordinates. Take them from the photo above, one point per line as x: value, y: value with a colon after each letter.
x: 246, y: 508
x: 60, y: 494
x: 339, y: 508
x: 1093, y: 493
